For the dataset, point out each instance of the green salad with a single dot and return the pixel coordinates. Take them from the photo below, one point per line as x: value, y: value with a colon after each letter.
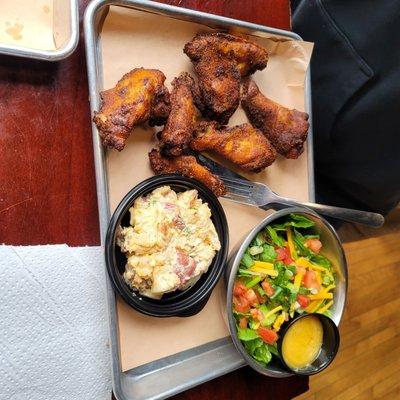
x: 281, y: 273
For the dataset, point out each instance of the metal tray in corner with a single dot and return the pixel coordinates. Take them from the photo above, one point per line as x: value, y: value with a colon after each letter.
x: 170, y: 375
x: 65, y: 33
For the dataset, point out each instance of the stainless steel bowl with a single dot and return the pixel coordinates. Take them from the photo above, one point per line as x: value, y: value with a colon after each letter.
x: 332, y: 249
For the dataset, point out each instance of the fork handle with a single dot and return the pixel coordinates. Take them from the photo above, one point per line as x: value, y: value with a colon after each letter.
x: 346, y: 214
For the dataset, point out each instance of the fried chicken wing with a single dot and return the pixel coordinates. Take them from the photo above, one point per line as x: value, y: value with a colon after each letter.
x: 286, y: 129
x: 219, y: 83
x: 186, y: 166
x: 178, y: 131
x: 140, y: 95
x: 220, y: 60
x: 243, y: 145
x: 248, y: 56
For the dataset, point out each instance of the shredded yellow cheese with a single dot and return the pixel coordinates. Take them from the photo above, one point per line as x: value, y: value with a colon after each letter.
x: 328, y: 288
x: 304, y: 262
x: 318, y: 276
x: 264, y: 268
x: 270, y: 272
x: 297, y: 279
x: 290, y: 243
x: 313, y: 306
x: 279, y: 321
x: 263, y: 264
x: 321, y: 295
x: 325, y: 307
x: 273, y: 311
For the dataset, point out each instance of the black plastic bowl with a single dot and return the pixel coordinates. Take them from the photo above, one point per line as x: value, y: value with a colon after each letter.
x: 178, y: 303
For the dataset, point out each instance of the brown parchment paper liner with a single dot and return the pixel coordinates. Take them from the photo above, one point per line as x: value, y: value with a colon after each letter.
x: 132, y: 39
x: 27, y: 23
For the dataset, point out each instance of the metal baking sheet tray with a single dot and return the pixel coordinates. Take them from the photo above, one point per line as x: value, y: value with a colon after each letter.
x: 170, y: 375
x: 54, y: 24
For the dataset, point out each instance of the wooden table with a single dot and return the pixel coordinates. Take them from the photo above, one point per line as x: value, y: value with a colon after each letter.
x: 47, y: 184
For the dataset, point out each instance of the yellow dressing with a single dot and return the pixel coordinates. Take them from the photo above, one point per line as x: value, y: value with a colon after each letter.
x: 302, y: 342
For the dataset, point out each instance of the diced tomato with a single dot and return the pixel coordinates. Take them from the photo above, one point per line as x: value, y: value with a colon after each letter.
x: 268, y: 289
x: 314, y: 245
x: 284, y: 255
x: 243, y: 323
x: 281, y: 253
x: 241, y: 304
x: 261, y: 299
x: 239, y: 288
x: 257, y: 314
x: 267, y: 335
x: 288, y: 260
x: 310, y: 280
x: 251, y: 297
x: 303, y: 300
x: 300, y: 270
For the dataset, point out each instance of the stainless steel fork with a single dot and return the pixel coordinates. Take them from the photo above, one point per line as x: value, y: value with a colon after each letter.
x: 256, y: 194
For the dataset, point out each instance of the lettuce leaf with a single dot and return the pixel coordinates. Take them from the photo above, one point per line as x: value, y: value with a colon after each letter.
x: 275, y: 238
x: 320, y: 260
x: 262, y: 354
x: 269, y: 253
x: 247, y: 334
x: 259, y: 350
x: 295, y: 220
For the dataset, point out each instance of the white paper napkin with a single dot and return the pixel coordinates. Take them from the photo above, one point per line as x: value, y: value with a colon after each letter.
x: 53, y: 324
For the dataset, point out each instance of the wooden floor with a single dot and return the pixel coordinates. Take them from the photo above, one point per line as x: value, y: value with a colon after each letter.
x: 368, y: 363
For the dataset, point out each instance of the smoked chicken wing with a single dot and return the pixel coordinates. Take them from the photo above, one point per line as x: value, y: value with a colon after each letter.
x: 243, y: 145
x: 186, y: 166
x: 219, y: 84
x: 140, y: 95
x: 220, y: 60
x: 248, y: 56
x: 286, y: 129
x: 178, y: 131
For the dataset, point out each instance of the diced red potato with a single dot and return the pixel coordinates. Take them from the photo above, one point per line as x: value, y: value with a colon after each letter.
x: 169, y: 206
x: 185, y: 266
x: 314, y: 245
x: 267, y: 335
x: 268, y: 289
x: 179, y: 222
x: 182, y: 258
x: 257, y: 314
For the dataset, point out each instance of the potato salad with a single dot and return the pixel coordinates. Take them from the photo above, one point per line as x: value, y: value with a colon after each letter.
x: 170, y: 243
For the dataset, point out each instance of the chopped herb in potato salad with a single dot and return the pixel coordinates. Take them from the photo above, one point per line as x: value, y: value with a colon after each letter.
x: 281, y: 273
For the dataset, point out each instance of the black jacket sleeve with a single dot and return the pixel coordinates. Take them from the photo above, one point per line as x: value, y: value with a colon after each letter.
x: 355, y: 72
